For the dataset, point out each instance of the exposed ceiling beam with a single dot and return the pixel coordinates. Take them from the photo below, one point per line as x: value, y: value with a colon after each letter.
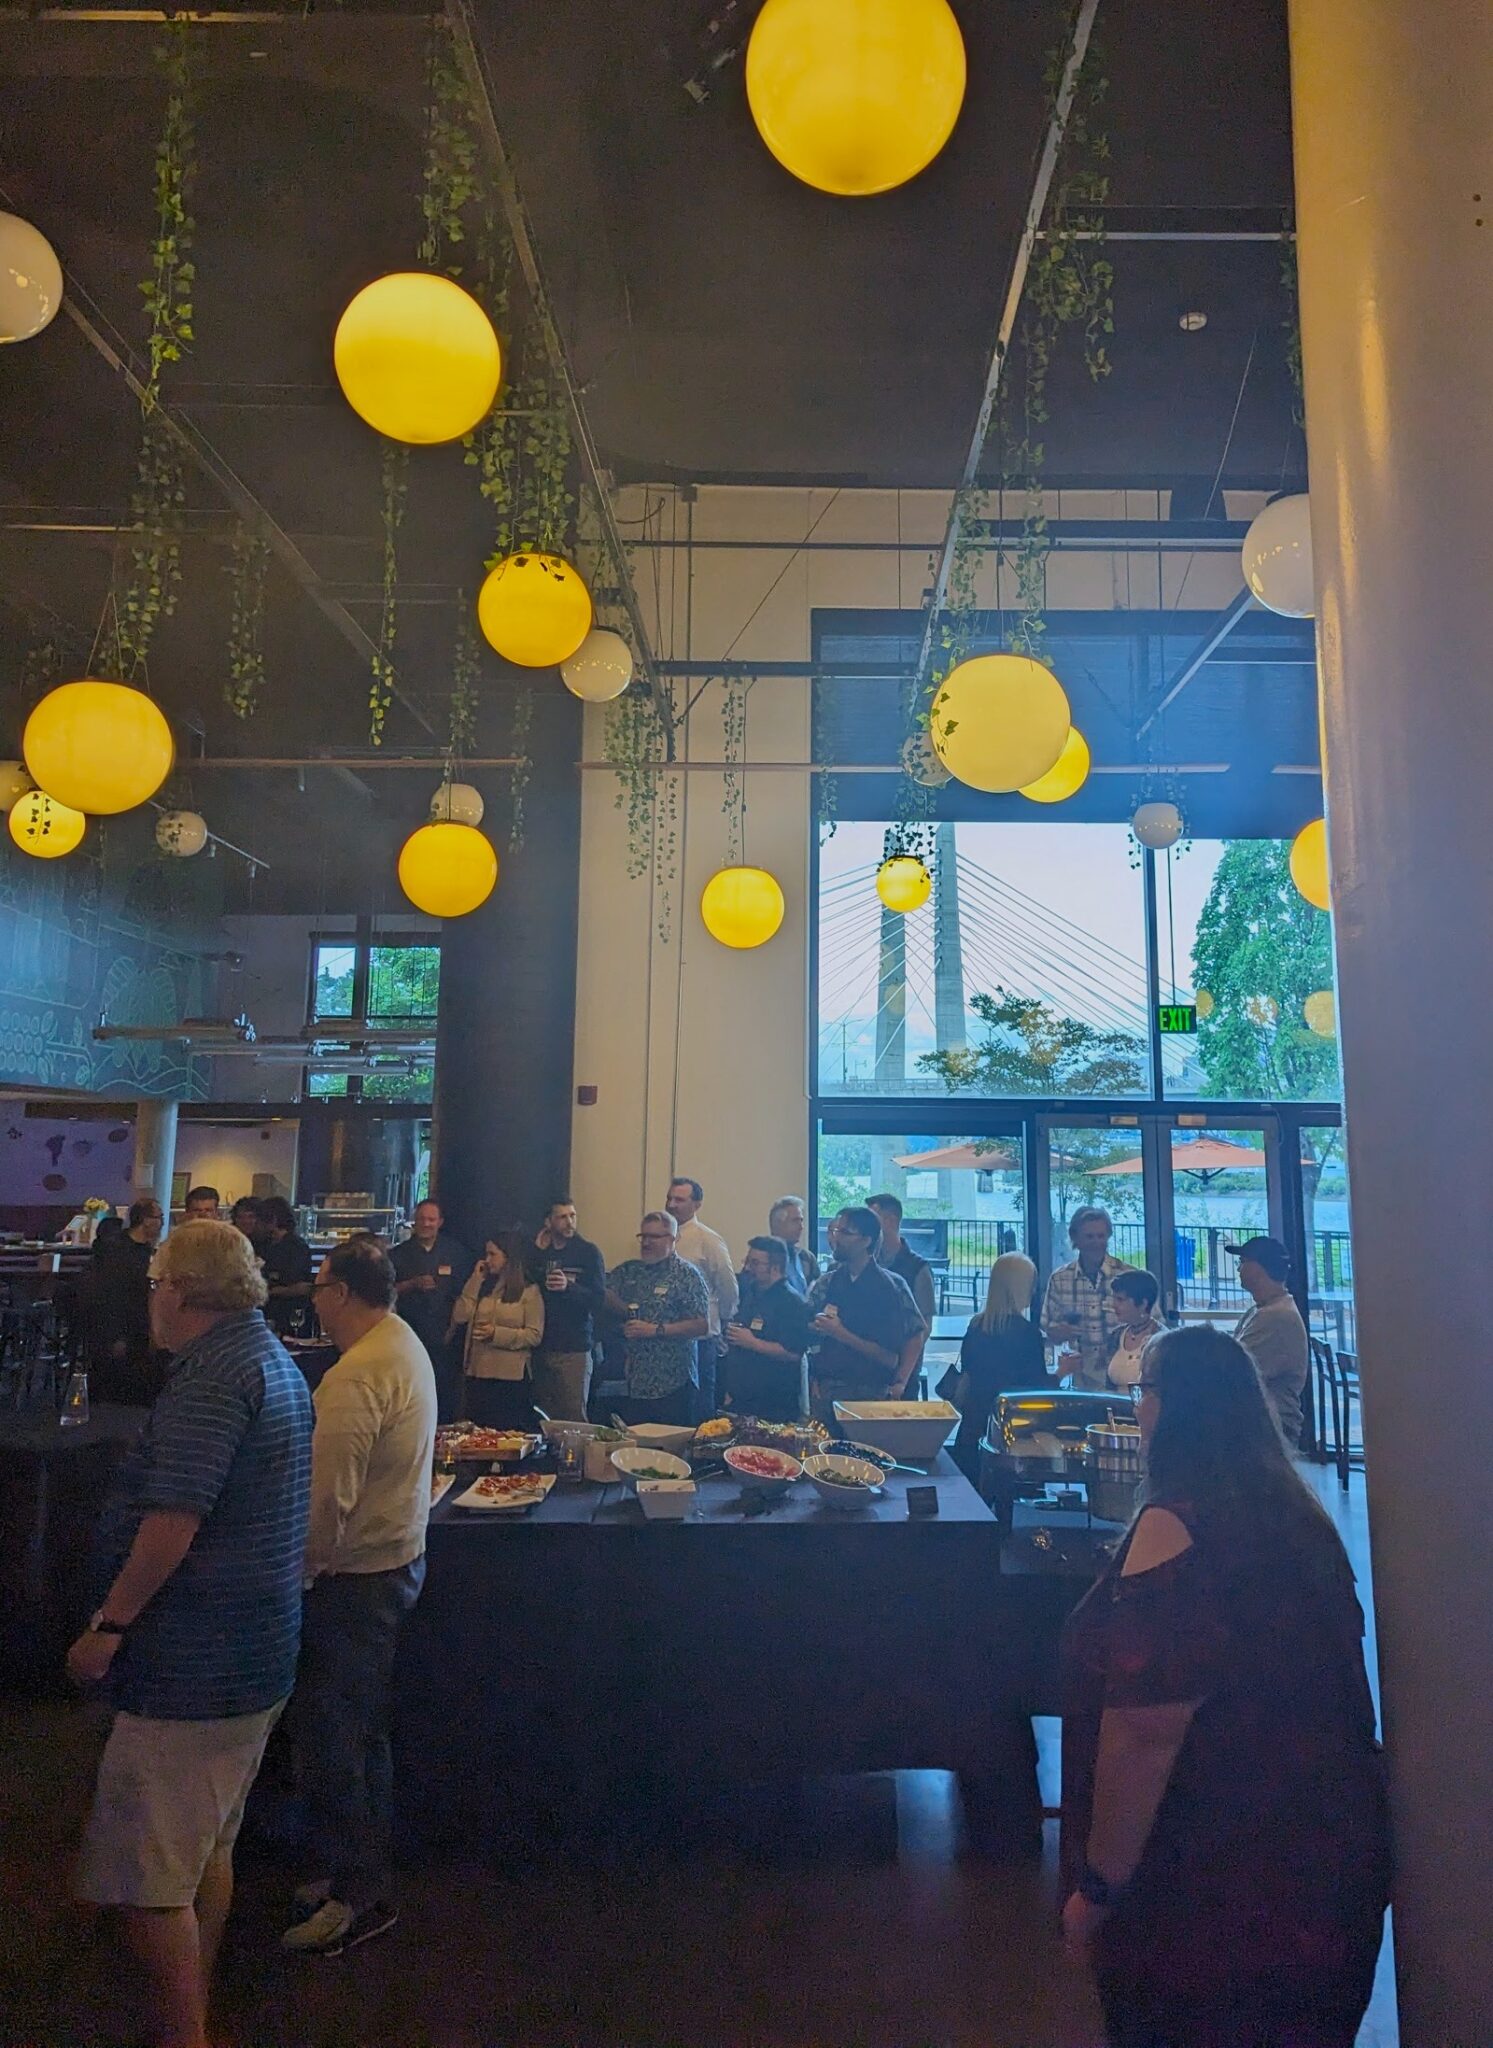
x: 1195, y: 661
x: 472, y: 54
x: 1057, y: 128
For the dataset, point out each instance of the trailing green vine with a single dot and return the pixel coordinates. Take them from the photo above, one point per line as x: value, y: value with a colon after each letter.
x: 633, y: 741
x: 1291, y: 325
x: 250, y: 563
x: 451, y: 180
x: 733, y: 753
x: 464, y: 674
x: 518, y: 774
x: 168, y: 289
x: 394, y: 478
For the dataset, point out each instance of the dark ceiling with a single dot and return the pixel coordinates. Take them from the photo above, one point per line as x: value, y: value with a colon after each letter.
x: 726, y: 322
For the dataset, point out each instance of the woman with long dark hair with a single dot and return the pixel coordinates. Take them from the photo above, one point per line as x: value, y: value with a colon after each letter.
x: 503, y: 1315
x: 1225, y: 1845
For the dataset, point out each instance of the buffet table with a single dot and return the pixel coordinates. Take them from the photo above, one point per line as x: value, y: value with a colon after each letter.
x: 581, y: 1647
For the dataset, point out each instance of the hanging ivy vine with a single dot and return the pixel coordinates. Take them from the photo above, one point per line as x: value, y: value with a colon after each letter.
x: 250, y: 564
x: 518, y: 774
x: 464, y: 673
x: 168, y: 288
x: 394, y: 478
x: 1291, y: 324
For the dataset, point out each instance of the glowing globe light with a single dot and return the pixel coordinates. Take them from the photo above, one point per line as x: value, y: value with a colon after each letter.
x: 417, y: 358
x: 1277, y: 558
x: 1157, y: 825
x: 1320, y: 1012
x: 1309, y: 864
x: 181, y: 833
x: 742, y: 907
x: 855, y: 96
x: 14, y: 783
x: 1069, y: 772
x: 41, y: 826
x: 1204, y: 1004
x: 600, y: 668
x: 100, y: 747
x: 920, y: 760
x: 30, y: 279
x: 903, y: 883
x: 447, y: 870
x: 534, y: 609
x: 1000, y: 721
x: 458, y: 803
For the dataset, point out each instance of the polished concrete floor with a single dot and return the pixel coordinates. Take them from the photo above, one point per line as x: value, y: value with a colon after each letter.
x: 847, y: 1917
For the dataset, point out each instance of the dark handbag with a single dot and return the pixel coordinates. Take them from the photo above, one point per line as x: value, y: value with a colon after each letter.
x: 954, y: 1386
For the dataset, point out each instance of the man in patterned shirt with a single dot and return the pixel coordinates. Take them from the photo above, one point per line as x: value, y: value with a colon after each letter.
x: 665, y: 1308
x: 1076, y: 1312
x: 201, y: 1545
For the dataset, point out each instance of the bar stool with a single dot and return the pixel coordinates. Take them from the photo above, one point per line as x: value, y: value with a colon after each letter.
x: 1345, y: 1380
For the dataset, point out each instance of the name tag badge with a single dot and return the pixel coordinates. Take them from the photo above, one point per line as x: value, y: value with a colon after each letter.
x: 756, y: 1322
x: 443, y: 1272
x: 663, y: 1289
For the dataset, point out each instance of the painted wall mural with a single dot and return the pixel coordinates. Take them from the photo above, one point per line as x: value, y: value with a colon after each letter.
x: 69, y: 954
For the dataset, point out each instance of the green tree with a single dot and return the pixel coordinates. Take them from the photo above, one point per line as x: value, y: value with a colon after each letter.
x: 1030, y: 1049
x: 1261, y: 950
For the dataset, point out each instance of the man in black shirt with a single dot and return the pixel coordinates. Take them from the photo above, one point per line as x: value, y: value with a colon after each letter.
x: 763, y: 1369
x: 898, y: 1256
x: 430, y: 1270
x: 869, y: 1329
x: 572, y: 1274
x: 288, y: 1266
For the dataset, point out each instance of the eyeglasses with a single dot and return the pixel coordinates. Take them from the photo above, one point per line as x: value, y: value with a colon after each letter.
x: 654, y: 1237
x: 321, y: 1286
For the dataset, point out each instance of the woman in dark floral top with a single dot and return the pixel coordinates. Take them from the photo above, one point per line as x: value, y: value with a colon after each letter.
x: 1225, y: 1846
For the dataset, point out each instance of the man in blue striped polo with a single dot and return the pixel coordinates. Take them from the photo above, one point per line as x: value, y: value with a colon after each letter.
x: 201, y: 1546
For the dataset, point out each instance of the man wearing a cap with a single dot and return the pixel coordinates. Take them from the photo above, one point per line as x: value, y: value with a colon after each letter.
x: 1272, y: 1332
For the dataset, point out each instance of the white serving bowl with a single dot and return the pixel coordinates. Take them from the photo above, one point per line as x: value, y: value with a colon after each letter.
x: 916, y: 1430
x: 665, y: 1500
x: 786, y: 1468
x: 871, y: 1478
x: 629, y: 1459
x: 663, y: 1436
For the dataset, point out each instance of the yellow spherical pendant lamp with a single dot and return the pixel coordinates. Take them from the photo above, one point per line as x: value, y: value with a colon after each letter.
x: 1204, y: 1005
x: 742, y: 907
x: 43, y: 827
x: 1320, y: 1012
x: 903, y: 883
x: 1309, y: 864
x: 98, y: 747
x: 447, y: 870
x: 1000, y: 722
x: 1068, y: 773
x: 417, y: 358
x: 855, y: 96
x: 534, y: 609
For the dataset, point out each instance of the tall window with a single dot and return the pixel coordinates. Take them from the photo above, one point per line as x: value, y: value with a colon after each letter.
x: 378, y: 996
x: 1023, y: 975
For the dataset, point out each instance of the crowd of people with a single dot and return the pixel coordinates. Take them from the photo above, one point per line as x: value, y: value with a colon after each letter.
x: 262, y: 1547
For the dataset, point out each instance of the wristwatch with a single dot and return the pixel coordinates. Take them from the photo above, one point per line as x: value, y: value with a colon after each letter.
x: 1096, y: 1889
x: 100, y: 1625
x: 658, y: 1329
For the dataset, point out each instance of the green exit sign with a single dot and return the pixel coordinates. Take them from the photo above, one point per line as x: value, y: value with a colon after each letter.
x: 1179, y: 1020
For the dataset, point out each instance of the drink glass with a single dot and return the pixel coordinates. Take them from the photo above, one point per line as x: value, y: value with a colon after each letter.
x: 75, y: 1404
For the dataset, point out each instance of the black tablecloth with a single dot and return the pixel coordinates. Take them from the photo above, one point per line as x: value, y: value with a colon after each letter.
x: 585, y: 1645
x: 52, y: 1485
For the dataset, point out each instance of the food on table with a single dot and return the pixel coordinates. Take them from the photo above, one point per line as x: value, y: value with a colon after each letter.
x: 508, y: 1486
x: 468, y: 1441
x: 712, y: 1431
x: 784, y: 1436
x: 759, y: 1462
x: 833, y: 1478
x: 842, y: 1447
x: 652, y: 1472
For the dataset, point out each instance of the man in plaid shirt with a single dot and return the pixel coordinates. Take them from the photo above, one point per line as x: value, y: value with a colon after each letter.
x: 1076, y: 1312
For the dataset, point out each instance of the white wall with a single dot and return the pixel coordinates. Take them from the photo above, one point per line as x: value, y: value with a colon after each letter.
x: 227, y: 1156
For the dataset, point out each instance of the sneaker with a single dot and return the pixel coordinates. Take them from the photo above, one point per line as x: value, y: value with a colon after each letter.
x: 333, y: 1928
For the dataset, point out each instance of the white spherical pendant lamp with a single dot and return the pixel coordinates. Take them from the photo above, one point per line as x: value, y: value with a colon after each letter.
x: 417, y: 358
x: 855, y: 96
x: 457, y: 803
x: 1068, y: 773
x: 534, y: 609
x: 1000, y: 721
x: 44, y: 828
x: 30, y: 279
x: 1157, y: 825
x: 742, y: 907
x: 15, y: 782
x: 181, y: 833
x: 600, y: 669
x: 1277, y: 558
x: 99, y: 747
x: 903, y: 883
x: 1309, y: 864
x: 447, y: 870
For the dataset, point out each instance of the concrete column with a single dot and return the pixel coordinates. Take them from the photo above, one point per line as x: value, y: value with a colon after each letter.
x: 1393, y: 115
x: 155, y: 1151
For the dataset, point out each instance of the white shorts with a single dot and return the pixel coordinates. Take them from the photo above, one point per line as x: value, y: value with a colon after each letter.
x: 170, y: 1795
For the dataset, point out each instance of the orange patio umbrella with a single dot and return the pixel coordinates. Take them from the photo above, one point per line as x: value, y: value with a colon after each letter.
x: 1204, y: 1158
x: 959, y: 1159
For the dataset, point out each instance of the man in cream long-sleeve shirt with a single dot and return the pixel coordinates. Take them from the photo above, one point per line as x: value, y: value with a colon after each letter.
x: 706, y: 1250
x: 371, y: 1455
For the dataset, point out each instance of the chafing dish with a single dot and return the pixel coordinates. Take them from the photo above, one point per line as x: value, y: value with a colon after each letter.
x: 1040, y: 1436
